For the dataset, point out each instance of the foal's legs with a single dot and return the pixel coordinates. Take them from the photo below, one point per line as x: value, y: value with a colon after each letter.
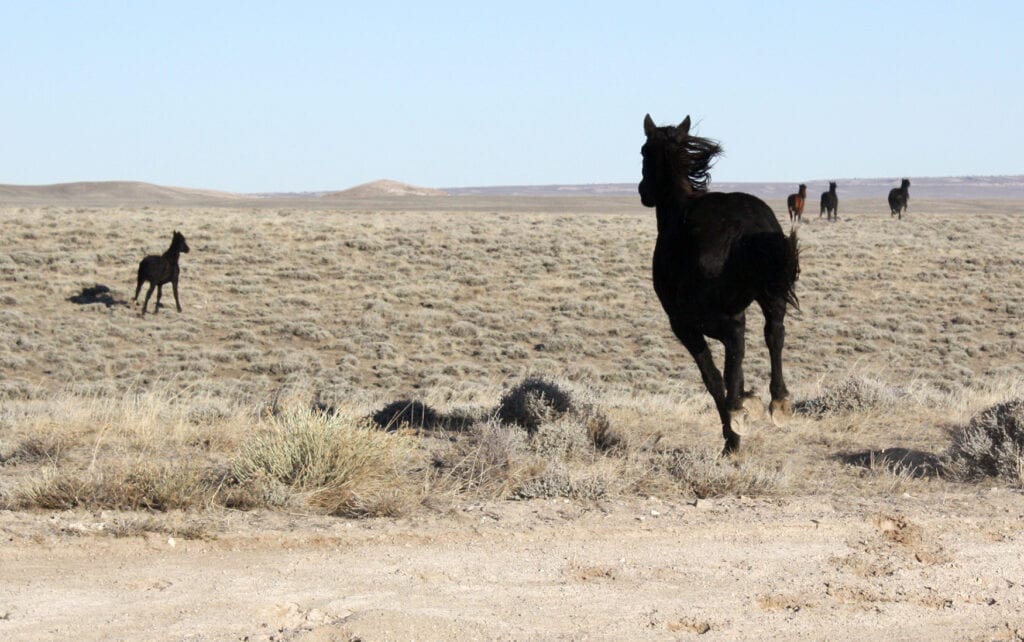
x: 149, y: 293
x: 774, y: 310
x: 174, y: 286
x: 159, y: 293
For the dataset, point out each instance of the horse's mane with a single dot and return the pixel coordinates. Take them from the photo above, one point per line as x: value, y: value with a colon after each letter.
x: 694, y: 159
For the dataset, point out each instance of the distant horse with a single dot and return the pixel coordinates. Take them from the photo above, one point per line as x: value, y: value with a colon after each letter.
x: 716, y: 253
x: 795, y: 203
x: 830, y: 203
x: 159, y: 270
x: 898, y: 197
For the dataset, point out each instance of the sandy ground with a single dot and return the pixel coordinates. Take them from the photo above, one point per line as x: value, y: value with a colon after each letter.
x: 817, y: 567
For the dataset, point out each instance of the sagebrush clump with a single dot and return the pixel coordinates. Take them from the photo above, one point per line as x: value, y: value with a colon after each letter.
x: 991, y: 445
x: 535, y: 403
x: 532, y: 403
x: 852, y: 395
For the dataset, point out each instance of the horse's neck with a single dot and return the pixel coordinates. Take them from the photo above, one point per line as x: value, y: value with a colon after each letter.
x: 172, y: 254
x: 669, y: 216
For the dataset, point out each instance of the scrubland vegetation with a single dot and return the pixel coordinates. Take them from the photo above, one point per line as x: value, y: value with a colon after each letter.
x: 356, y: 362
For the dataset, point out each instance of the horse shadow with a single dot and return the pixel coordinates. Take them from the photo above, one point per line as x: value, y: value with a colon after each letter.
x: 97, y: 294
x: 918, y: 464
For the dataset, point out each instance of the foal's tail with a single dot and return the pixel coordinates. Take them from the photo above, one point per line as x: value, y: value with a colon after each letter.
x: 792, y: 269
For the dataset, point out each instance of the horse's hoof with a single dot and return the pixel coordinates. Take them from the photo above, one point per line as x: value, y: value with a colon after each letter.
x: 739, y: 422
x: 754, y: 407
x: 732, y: 446
x: 782, y: 411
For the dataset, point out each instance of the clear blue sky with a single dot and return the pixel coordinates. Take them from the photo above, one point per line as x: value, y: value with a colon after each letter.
x: 275, y: 96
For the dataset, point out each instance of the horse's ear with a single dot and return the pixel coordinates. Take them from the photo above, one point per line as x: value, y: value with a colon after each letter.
x: 684, y: 127
x: 649, y: 125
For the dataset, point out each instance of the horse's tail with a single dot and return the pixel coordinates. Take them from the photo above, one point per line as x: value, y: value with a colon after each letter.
x: 792, y: 269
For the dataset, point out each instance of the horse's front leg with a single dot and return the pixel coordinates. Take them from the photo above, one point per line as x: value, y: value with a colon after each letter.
x: 697, y: 345
x: 174, y: 286
x: 159, y: 293
x: 742, y: 408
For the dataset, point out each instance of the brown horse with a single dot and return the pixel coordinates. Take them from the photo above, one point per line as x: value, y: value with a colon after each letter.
x: 715, y: 255
x: 795, y: 203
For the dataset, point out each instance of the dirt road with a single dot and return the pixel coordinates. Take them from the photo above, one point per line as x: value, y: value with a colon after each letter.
x: 932, y: 567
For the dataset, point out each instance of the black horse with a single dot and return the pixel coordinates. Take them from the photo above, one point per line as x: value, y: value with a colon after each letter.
x: 159, y: 270
x: 898, y: 197
x: 795, y: 203
x: 830, y: 203
x: 716, y: 253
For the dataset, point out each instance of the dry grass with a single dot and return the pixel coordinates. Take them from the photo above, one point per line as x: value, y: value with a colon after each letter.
x: 338, y: 463
x: 908, y: 330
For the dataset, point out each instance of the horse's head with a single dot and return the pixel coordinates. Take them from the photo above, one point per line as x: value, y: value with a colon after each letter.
x: 675, y: 164
x: 803, y: 190
x: 832, y: 186
x: 657, y: 153
x: 178, y: 242
x: 905, y: 184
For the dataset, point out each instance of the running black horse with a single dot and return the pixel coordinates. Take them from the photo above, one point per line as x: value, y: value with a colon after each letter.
x: 830, y: 203
x: 898, y: 197
x: 717, y: 253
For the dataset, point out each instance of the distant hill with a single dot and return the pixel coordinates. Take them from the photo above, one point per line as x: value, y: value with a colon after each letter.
x: 385, y: 188
x: 115, y: 193
x: 107, y: 192
x: 922, y: 187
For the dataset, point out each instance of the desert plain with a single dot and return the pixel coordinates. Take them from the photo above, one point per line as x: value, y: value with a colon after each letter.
x: 217, y: 474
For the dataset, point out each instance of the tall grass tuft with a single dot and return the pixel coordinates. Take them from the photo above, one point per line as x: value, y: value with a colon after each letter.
x: 336, y: 462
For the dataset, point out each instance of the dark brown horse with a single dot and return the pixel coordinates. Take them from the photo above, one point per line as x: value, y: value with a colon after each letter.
x: 159, y: 270
x: 830, y: 203
x: 795, y: 203
x: 898, y: 197
x: 717, y: 253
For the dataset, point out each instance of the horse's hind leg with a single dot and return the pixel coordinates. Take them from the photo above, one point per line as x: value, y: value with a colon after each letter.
x: 138, y: 288
x: 775, y: 336
x: 149, y: 293
x: 159, y: 294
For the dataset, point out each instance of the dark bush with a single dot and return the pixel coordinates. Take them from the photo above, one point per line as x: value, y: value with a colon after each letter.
x: 533, y: 402
x: 407, y: 412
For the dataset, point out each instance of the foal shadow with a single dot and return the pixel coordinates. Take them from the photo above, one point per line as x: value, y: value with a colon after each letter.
x: 918, y: 464
x: 96, y: 294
